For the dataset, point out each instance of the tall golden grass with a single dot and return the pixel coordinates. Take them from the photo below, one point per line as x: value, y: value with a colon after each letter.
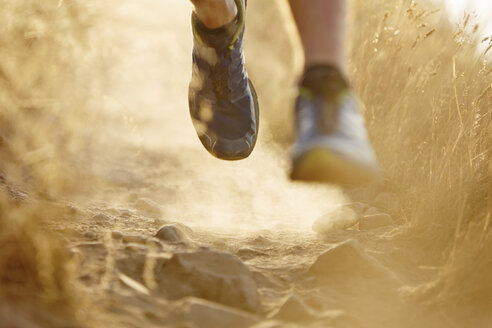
x: 42, y: 51
x: 428, y: 92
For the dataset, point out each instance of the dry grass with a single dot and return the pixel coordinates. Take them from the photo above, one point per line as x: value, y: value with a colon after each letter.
x: 40, y: 63
x: 428, y: 95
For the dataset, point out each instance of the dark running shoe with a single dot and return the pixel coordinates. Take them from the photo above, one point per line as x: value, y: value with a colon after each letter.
x: 332, y: 144
x: 222, y: 100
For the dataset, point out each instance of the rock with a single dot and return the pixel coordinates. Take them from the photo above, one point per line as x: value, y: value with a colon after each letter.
x: 116, y: 235
x: 347, y: 260
x: 295, y: 310
x: 125, y: 213
x: 173, y: 233
x: 340, y: 218
x: 215, y: 276
x: 205, y: 314
x: 149, y: 207
x: 101, y: 218
x: 90, y: 235
x: 386, y: 200
x: 374, y: 221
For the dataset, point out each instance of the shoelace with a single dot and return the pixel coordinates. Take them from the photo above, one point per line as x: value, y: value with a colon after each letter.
x: 220, y: 74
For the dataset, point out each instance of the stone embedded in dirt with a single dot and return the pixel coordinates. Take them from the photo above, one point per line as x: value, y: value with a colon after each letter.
x: 149, y: 207
x: 347, y: 260
x: 125, y: 213
x: 340, y: 218
x: 206, y: 314
x: 116, y: 235
x: 295, y: 310
x: 386, y: 200
x: 173, y: 233
x: 90, y: 235
x: 369, y: 222
x: 215, y: 276
x: 101, y: 218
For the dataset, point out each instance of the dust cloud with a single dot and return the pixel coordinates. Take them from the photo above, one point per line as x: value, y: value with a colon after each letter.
x: 148, y: 91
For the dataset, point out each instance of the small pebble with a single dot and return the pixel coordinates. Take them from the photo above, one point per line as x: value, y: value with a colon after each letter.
x: 101, y: 218
x: 126, y: 214
x: 89, y: 235
x: 116, y: 235
x: 171, y: 233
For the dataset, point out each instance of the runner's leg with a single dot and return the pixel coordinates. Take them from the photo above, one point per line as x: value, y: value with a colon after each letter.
x: 215, y: 13
x: 321, y: 25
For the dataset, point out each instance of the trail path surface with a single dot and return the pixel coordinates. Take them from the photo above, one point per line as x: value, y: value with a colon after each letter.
x: 171, y: 237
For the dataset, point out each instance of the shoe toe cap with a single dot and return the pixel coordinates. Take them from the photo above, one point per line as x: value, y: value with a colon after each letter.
x: 228, y: 149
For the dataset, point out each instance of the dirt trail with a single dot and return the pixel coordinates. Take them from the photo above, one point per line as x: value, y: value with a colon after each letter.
x: 172, y: 237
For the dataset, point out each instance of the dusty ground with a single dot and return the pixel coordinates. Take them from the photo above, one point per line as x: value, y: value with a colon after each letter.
x: 171, y: 237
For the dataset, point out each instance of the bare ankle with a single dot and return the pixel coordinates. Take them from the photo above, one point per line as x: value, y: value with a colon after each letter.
x: 215, y: 13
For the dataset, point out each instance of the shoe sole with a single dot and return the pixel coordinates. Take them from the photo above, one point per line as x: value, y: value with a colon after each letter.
x: 257, y: 112
x: 324, y: 165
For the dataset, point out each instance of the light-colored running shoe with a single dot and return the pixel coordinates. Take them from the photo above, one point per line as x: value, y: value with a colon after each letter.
x: 332, y: 143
